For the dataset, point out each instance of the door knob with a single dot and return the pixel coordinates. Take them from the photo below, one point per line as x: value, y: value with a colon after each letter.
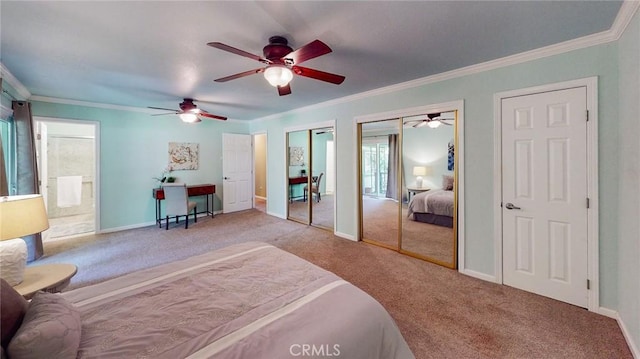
x: 226, y: 178
x: 511, y: 206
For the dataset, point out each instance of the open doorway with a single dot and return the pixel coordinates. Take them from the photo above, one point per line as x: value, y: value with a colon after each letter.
x: 67, y: 153
x: 260, y: 171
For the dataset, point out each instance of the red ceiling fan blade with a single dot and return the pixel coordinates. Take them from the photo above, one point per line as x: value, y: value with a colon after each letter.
x: 233, y: 50
x: 318, y: 75
x: 239, y: 75
x: 307, y: 52
x: 284, y: 90
x: 210, y: 115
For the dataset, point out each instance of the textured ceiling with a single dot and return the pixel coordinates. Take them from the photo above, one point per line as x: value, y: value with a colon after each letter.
x: 154, y: 53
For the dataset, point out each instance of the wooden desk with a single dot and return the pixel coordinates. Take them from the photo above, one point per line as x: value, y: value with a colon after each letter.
x: 296, y: 181
x: 207, y: 190
x: 50, y: 278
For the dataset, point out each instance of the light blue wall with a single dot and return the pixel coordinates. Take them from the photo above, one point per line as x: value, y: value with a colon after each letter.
x: 477, y: 91
x: 629, y: 180
x: 133, y: 150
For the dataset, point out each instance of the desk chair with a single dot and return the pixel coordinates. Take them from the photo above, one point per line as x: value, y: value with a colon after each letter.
x: 177, y: 203
x: 315, y: 188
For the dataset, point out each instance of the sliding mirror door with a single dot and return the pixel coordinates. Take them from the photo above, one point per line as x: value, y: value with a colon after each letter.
x: 298, y: 177
x: 430, y: 196
x: 379, y: 182
x: 321, y: 193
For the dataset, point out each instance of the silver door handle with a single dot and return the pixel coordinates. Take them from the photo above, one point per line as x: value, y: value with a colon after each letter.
x: 511, y: 206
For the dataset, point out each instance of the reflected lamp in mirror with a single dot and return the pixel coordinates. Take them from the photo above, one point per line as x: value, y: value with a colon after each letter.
x: 19, y: 216
x: 419, y: 171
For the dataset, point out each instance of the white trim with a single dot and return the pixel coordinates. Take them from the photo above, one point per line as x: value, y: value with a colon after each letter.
x: 97, y: 165
x: 277, y: 215
x: 457, y: 105
x: 260, y: 197
x: 14, y: 82
x: 633, y: 347
x: 346, y: 236
x: 593, y: 270
x: 608, y: 313
x: 478, y: 275
x: 625, y: 15
x: 126, y: 228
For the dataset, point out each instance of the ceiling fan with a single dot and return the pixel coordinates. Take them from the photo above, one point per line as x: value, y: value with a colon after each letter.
x: 189, y: 112
x: 433, y: 120
x: 283, y: 62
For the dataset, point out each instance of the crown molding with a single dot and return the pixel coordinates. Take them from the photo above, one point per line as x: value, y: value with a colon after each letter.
x: 13, y: 81
x: 107, y: 106
x: 625, y: 14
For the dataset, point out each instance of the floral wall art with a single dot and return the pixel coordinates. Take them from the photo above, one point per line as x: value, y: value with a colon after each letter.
x: 183, y: 156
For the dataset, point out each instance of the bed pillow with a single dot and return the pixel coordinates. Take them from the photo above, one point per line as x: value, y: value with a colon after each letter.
x: 447, y: 182
x: 50, y: 329
x: 12, y: 309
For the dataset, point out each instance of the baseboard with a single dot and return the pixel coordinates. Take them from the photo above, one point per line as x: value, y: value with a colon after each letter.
x: 627, y: 336
x: 478, y: 275
x: 276, y: 215
x: 124, y: 228
x: 345, y: 236
x: 608, y: 312
x: 260, y: 197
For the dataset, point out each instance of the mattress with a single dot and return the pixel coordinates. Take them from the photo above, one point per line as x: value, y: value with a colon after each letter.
x: 439, y: 202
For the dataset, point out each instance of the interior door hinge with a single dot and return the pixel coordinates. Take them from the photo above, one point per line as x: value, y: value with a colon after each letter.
x: 587, y: 115
x: 588, y: 284
x: 588, y: 202
x: 39, y: 137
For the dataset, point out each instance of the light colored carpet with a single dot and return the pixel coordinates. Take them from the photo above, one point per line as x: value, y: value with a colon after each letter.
x: 440, y: 312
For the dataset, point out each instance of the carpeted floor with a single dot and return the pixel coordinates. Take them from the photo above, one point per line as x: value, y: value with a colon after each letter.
x: 440, y: 312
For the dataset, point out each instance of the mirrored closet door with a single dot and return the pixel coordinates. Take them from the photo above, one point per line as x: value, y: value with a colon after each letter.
x: 380, y: 195
x: 408, y: 185
x: 311, y: 177
x: 429, y: 206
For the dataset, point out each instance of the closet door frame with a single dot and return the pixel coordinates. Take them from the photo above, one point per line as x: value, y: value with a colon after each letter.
x: 457, y: 105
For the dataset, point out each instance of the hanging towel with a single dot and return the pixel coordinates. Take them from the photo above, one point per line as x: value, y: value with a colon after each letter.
x: 69, y: 191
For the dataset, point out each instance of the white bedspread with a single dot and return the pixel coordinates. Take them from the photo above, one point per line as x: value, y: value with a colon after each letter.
x: 250, y: 300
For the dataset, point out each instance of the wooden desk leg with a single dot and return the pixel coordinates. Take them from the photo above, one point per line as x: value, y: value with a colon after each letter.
x: 158, y: 220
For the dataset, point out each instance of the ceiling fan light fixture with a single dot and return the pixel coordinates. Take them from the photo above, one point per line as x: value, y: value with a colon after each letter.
x: 433, y: 124
x: 278, y: 75
x: 189, y: 117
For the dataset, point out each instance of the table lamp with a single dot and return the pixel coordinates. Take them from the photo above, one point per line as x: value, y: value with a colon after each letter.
x: 19, y: 216
x: 419, y: 171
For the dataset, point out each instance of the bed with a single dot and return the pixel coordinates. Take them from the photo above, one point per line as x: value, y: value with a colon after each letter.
x: 250, y: 300
x: 434, y: 207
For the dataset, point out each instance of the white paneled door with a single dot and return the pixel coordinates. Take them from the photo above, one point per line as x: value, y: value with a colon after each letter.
x: 236, y: 171
x: 544, y: 194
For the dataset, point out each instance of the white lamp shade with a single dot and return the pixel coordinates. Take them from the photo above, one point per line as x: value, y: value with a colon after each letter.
x: 278, y: 75
x: 419, y: 171
x: 22, y: 215
x: 19, y: 216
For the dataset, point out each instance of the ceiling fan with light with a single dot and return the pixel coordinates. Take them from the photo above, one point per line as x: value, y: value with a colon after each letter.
x: 433, y: 120
x: 283, y: 62
x: 189, y: 112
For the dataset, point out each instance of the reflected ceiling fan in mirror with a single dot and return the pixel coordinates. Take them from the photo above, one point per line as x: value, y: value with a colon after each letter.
x: 283, y: 62
x: 189, y: 112
x: 433, y: 120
